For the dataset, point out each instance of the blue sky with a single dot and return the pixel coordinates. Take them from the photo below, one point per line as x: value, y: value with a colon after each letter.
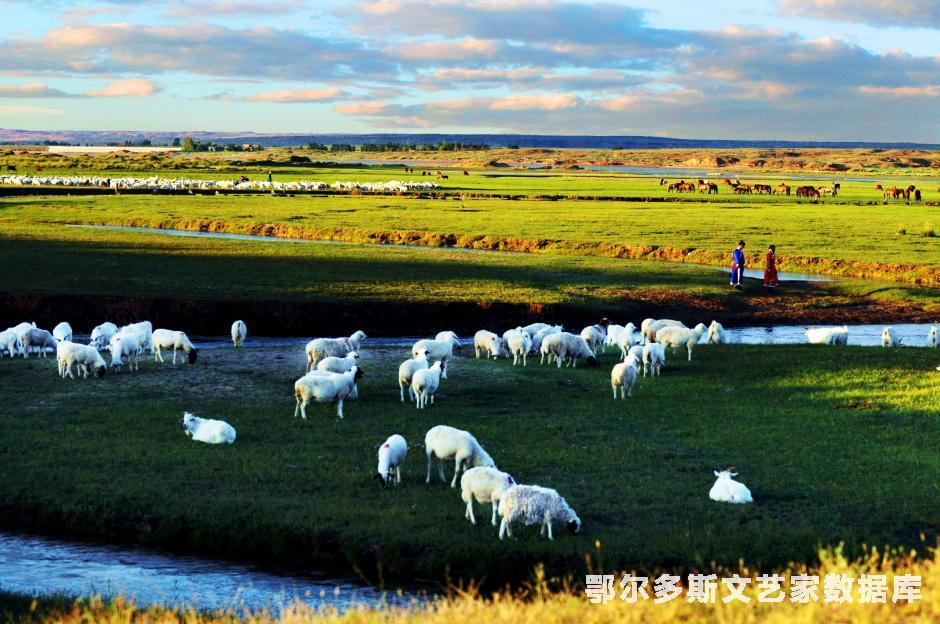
x: 785, y: 69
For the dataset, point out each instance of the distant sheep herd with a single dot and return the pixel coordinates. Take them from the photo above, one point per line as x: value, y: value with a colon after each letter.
x: 155, y: 183
x: 332, y: 373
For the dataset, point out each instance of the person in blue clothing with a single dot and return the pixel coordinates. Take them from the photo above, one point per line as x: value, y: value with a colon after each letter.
x: 737, y: 266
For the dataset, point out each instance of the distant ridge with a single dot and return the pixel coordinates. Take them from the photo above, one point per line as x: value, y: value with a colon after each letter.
x: 104, y: 137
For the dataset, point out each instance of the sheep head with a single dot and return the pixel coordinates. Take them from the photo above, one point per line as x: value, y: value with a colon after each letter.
x: 192, y: 355
x: 574, y: 525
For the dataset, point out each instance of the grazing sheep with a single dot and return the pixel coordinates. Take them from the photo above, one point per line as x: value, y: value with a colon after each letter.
x: 828, y: 335
x: 324, y: 387
x: 208, y: 430
x: 654, y: 356
x: 727, y: 490
x: 85, y: 357
x: 932, y: 338
x: 716, y: 333
x: 540, y: 336
x: 485, y: 485
x: 451, y: 337
x: 676, y: 337
x: 447, y: 443
x: 102, y: 334
x: 406, y: 373
x: 144, y: 332
x: 535, y: 505
x: 649, y: 332
x: 488, y: 343
x: 125, y: 345
x: 623, y: 376
x: 239, y: 333
x: 177, y: 340
x: 334, y: 364
x: 564, y: 346
x: 889, y: 338
x: 594, y: 336
x: 20, y: 330
x: 438, y: 350
x: 425, y: 383
x: 391, y: 457
x: 62, y: 331
x: 9, y: 341
x: 518, y: 342
x: 320, y: 348
x: 34, y: 337
x: 535, y: 328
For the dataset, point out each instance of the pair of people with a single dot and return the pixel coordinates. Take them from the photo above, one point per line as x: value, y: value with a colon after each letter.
x: 739, y: 261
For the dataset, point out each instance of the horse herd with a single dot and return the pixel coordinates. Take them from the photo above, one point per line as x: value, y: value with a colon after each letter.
x: 812, y: 192
x: 893, y: 192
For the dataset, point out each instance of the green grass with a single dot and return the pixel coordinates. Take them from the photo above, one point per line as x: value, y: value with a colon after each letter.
x: 835, y: 443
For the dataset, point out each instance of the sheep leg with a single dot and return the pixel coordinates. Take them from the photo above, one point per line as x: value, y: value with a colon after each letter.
x: 614, y: 388
x: 476, y: 350
x: 401, y: 388
x: 690, y: 353
x: 440, y: 467
x: 398, y: 474
x: 444, y: 372
x: 542, y: 532
x: 469, y: 513
x: 174, y: 355
x: 157, y: 355
x: 453, y: 483
x: 550, y: 537
x: 339, y: 408
x: 629, y: 392
x: 432, y: 399
x: 523, y: 359
x: 495, y: 506
x: 429, y: 467
x: 504, y: 529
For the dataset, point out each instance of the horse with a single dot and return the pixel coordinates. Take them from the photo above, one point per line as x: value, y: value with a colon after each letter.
x: 782, y: 189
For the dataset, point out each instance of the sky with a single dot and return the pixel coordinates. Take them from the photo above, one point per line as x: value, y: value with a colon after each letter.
x: 852, y: 70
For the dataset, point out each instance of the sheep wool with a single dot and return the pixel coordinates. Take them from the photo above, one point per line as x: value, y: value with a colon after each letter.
x: 532, y: 504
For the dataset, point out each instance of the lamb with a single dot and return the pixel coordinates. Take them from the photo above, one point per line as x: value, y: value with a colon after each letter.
x: 649, y: 332
x: 438, y: 350
x: 535, y: 505
x: 447, y: 443
x: 485, y: 485
x: 325, y: 387
x: 406, y: 373
x: 62, y: 331
x: 540, y: 336
x: 564, y: 346
x: 933, y: 340
x: 9, y: 341
x: 339, y: 365
x: 594, y: 336
x: 167, y: 338
x: 391, y: 457
x: 727, y: 490
x: 208, y: 430
x: 102, y: 334
x: 654, y: 356
x: 144, y: 332
x: 320, y: 348
x: 890, y: 338
x: 85, y: 357
x: 239, y: 333
x: 125, y: 345
x: 519, y: 343
x: 488, y: 343
x: 425, y: 383
x: 828, y: 335
x: 34, y: 337
x: 623, y: 376
x: 676, y: 337
x: 716, y: 333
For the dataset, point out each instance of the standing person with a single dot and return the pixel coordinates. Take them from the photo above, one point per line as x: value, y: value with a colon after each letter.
x: 770, y: 269
x: 737, y: 266
x: 270, y: 174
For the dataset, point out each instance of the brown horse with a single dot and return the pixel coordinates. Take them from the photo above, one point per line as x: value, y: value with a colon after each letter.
x: 782, y: 189
x: 763, y: 189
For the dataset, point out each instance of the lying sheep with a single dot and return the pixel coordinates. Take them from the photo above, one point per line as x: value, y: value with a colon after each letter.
x: 623, y: 376
x: 320, y: 348
x: 239, y: 333
x: 406, y: 372
x: 325, y: 387
x: 9, y: 341
x: 488, y: 343
x: 594, y: 336
x: 102, y: 334
x: 125, y: 345
x: 62, y: 331
x: 654, y: 357
x: 144, y: 332
x: 447, y: 443
x: 438, y: 350
x: 85, y: 357
x: 40, y: 338
x: 676, y: 337
x: 208, y: 430
x: 727, y: 490
x: 649, y: 332
x: 391, y: 457
x: 168, y: 338
x: 425, y: 383
x: 933, y: 340
x: 484, y: 485
x: 335, y: 364
x: 532, y: 504
x: 890, y: 338
x: 565, y: 346
x: 518, y: 342
x: 716, y: 333
x: 828, y: 335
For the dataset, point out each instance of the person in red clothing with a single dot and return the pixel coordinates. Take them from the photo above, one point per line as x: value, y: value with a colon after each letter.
x: 770, y: 269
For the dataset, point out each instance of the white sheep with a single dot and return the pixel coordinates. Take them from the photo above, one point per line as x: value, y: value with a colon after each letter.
x: 487, y: 343
x: 320, y: 348
x: 650, y: 329
x: 102, y: 334
x: 125, y: 345
x: 144, y: 332
x: 594, y: 336
x: 447, y: 443
x: 406, y: 373
x: 35, y: 337
x: 424, y: 384
x: 890, y: 338
x: 716, y: 333
x: 208, y: 430
x: 335, y: 364
x: 484, y: 485
x: 20, y: 330
x: 324, y: 387
x: 628, y: 339
x: 62, y: 331
x: 518, y: 342
x: 438, y: 350
x: 9, y: 341
x: 727, y: 490
x: 532, y: 504
x: 828, y: 335
x: 676, y: 337
x: 933, y: 340
x: 85, y: 357
x: 451, y: 337
x: 535, y: 328
x: 171, y: 339
x: 654, y: 357
x: 636, y: 352
x: 239, y: 333
x: 391, y: 457
x: 565, y: 346
x: 613, y: 332
x: 540, y: 336
x: 623, y: 376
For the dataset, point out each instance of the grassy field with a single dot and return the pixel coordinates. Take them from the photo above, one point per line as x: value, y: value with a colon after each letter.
x: 835, y: 443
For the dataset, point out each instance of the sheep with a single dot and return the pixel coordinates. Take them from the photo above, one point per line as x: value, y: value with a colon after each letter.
x: 391, y: 457
x: 438, y: 350
x: 34, y: 337
x: 425, y: 383
x: 85, y: 357
x: 535, y: 328
x: 594, y: 336
x: 167, y: 338
x: 828, y: 335
x: 649, y: 332
x: 932, y: 339
x: 446, y: 443
x: 488, y: 343
x: 239, y: 333
x: 628, y: 339
x: 102, y: 334
x: 485, y: 485
x: 125, y: 345
x: 325, y: 387
x: 9, y: 341
x: 518, y: 342
x: 20, y: 330
x: 716, y: 333
x: 727, y: 490
x: 535, y: 505
x: 339, y: 365
x: 407, y: 370
x: 208, y: 430
x: 654, y: 356
x: 144, y: 332
x: 320, y: 348
x: 676, y: 337
x: 613, y: 332
x: 449, y: 336
x: 540, y: 336
x: 62, y: 331
x: 890, y: 338
x: 623, y: 376
x: 564, y: 346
